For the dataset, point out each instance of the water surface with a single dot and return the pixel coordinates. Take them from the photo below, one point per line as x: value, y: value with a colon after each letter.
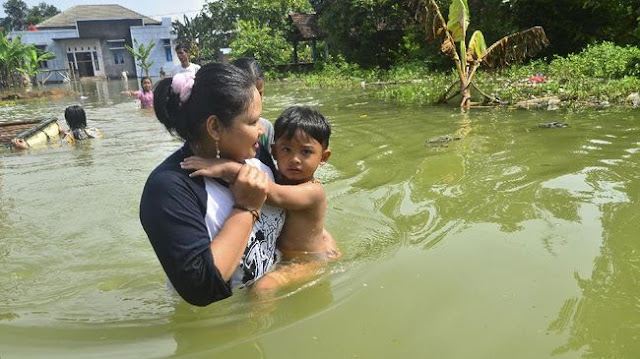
x: 513, y: 242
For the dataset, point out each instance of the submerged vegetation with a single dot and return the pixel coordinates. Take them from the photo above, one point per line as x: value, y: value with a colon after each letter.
x: 600, y: 73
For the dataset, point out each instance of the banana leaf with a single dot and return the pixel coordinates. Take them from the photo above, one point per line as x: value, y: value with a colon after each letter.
x: 515, y: 48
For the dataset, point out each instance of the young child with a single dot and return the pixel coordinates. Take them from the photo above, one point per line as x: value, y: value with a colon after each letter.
x: 301, y: 145
x: 145, y: 96
x: 252, y: 67
x: 77, y: 129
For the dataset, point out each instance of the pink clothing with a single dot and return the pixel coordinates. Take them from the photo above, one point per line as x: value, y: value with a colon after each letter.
x: 146, y: 98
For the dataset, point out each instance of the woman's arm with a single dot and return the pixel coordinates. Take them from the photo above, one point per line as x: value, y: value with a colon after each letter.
x: 250, y: 191
x: 171, y: 212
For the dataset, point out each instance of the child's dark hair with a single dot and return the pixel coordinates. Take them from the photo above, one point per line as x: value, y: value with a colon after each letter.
x: 219, y: 89
x: 76, y: 117
x: 142, y: 82
x: 251, y: 66
x: 77, y: 120
x: 306, y: 120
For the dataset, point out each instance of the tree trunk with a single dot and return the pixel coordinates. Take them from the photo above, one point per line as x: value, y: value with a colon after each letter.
x: 465, y: 93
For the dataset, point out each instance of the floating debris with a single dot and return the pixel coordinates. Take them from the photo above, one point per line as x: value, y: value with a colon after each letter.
x: 553, y: 125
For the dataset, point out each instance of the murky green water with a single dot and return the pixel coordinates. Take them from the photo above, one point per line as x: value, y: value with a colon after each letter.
x: 515, y: 242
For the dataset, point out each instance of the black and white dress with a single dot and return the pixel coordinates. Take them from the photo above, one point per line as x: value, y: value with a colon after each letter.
x: 181, y: 215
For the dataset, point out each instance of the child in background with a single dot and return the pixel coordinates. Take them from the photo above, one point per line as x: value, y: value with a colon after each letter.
x: 252, y: 67
x: 145, y: 96
x: 301, y: 145
x: 77, y: 121
x: 77, y: 130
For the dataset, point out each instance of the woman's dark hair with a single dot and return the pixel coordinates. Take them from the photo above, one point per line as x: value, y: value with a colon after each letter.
x: 251, y: 66
x: 184, y: 47
x: 222, y: 90
x: 77, y: 120
x: 305, y: 119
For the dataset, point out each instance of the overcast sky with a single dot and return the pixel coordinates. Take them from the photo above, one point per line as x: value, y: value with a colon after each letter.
x: 152, y: 8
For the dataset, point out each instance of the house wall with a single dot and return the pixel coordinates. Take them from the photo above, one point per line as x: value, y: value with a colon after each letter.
x: 145, y: 34
x: 104, y: 30
x: 52, y: 40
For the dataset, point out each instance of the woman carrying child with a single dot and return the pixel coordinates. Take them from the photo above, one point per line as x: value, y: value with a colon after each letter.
x: 211, y: 236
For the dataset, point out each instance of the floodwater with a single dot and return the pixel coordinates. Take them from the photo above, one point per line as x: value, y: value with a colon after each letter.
x: 514, y: 242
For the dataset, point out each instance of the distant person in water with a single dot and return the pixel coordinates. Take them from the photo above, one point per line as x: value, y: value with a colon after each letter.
x: 77, y: 129
x: 145, y: 96
x: 185, y: 65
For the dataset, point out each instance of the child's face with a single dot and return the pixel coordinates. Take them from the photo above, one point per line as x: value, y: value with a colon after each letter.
x: 299, y: 157
x: 146, y: 85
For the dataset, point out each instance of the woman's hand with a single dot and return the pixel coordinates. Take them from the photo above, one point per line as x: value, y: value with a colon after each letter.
x: 250, y: 188
x: 20, y: 143
x: 211, y: 167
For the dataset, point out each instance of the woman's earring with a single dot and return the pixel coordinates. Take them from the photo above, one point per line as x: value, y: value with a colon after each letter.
x: 217, y: 150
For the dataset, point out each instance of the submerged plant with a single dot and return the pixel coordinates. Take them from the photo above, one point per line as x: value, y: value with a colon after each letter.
x: 468, y: 58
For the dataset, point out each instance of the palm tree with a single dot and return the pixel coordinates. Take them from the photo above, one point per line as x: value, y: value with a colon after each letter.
x: 506, y: 51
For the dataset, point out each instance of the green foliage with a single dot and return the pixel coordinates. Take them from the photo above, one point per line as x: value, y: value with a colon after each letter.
x: 605, y: 60
x: 16, y: 11
x: 41, y: 12
x: 369, y: 33
x: 225, y: 20
x: 141, y: 53
x: 266, y: 45
x: 19, y: 58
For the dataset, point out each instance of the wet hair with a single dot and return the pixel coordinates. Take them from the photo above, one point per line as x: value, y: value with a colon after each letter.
x: 251, y: 66
x: 184, y: 47
x: 305, y: 119
x: 77, y: 120
x: 222, y: 90
x: 142, y: 82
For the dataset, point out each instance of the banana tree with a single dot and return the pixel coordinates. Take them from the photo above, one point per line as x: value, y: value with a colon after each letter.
x: 30, y: 67
x: 469, y: 57
x: 141, y: 53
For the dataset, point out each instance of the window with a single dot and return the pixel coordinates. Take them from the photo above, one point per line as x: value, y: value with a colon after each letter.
x: 118, y: 57
x: 167, y: 50
x: 41, y: 49
x: 96, y: 63
x: 116, y: 44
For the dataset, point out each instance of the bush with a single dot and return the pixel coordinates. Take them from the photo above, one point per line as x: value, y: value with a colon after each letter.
x: 269, y: 47
x: 605, y: 60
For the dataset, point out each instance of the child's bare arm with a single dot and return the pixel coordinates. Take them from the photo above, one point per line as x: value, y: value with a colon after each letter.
x: 295, y: 197
x: 292, y: 197
x: 212, y: 167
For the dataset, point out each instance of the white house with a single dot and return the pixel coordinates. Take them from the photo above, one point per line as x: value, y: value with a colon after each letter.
x: 89, y: 41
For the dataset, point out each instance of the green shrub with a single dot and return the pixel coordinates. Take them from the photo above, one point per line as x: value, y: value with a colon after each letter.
x: 605, y: 60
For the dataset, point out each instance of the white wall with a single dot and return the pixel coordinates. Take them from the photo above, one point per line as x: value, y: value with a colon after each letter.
x: 144, y: 35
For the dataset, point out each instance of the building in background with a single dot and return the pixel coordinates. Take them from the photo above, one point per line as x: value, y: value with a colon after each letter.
x: 89, y: 41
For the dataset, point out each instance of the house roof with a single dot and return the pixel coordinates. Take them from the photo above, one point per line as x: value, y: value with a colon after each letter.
x: 69, y: 17
x: 306, y: 26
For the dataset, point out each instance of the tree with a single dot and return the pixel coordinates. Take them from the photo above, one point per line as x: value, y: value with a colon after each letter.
x: 18, y: 58
x: 41, y: 12
x: 370, y: 33
x: 223, y: 18
x: 141, y: 54
x: 32, y: 60
x: 471, y: 55
x: 262, y: 43
x: 16, y: 11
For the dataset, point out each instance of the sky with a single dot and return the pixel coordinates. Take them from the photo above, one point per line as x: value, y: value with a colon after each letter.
x: 151, y: 8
